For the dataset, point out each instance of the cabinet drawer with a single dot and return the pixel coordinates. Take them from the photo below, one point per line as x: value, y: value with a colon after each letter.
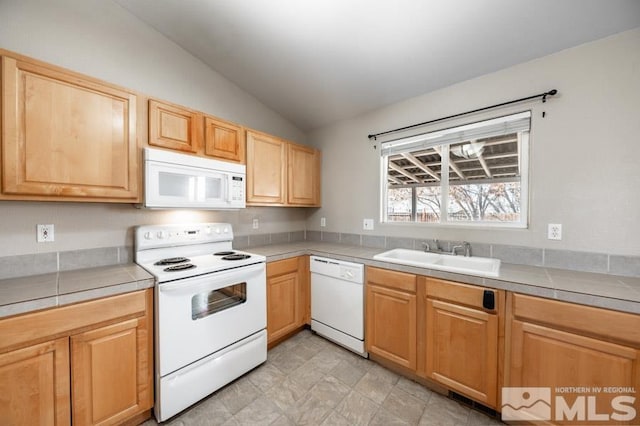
x: 610, y: 325
x: 391, y: 279
x: 460, y: 293
x: 22, y: 329
x: 282, y: 267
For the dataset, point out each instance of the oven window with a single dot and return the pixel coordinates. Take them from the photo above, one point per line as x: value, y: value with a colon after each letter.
x: 205, y: 304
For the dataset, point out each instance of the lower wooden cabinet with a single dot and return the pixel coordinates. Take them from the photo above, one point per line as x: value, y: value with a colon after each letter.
x: 461, y: 338
x: 109, y: 373
x: 97, y: 370
x: 288, y: 301
x: 390, y: 326
x: 34, y: 385
x: 558, y: 345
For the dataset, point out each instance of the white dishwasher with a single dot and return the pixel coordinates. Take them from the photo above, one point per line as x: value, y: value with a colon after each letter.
x: 337, y: 302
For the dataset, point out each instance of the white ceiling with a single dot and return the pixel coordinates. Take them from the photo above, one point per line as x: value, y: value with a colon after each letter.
x: 319, y: 61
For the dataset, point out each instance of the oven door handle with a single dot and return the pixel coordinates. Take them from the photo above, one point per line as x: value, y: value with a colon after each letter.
x: 213, y: 281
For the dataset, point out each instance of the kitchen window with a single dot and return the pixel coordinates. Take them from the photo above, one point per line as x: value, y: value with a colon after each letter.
x: 473, y: 174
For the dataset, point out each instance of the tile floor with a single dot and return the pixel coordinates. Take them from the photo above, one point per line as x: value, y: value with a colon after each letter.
x: 308, y: 380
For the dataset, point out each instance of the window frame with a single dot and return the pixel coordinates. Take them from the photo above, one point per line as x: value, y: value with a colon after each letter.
x: 524, y: 162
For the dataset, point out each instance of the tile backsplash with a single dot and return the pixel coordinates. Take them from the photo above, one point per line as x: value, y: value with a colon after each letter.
x: 44, y: 263
x: 550, y: 258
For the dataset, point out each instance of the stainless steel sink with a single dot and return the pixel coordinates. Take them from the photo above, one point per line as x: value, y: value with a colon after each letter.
x: 443, y: 262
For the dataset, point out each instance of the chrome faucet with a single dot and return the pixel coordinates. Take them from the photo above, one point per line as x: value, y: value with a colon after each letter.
x: 434, y: 248
x: 465, y: 245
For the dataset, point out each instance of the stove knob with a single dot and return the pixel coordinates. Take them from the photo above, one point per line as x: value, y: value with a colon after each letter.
x: 207, y: 230
x: 148, y: 236
x: 161, y: 234
x: 226, y: 230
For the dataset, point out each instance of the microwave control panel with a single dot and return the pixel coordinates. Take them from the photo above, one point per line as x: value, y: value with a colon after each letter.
x: 237, y: 188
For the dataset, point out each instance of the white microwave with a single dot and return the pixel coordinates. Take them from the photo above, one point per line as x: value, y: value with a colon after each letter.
x: 175, y: 180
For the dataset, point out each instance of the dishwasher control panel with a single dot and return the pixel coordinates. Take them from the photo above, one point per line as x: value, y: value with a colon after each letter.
x: 347, y: 271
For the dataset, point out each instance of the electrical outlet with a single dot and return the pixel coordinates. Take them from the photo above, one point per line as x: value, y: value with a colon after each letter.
x: 256, y: 224
x: 323, y: 222
x: 554, y: 232
x: 45, y: 233
x: 367, y: 224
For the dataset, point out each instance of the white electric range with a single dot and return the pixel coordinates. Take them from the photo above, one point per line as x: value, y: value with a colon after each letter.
x: 210, y: 310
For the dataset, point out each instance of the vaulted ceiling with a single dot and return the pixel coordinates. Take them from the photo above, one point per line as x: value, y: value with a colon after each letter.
x: 320, y: 61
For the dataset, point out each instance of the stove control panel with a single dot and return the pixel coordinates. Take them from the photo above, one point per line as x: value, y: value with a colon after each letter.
x: 155, y: 236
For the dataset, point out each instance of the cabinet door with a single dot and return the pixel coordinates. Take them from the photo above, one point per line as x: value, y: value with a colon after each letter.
x: 303, y: 175
x: 559, y: 345
x: 110, y: 370
x: 545, y: 357
x: 266, y: 173
x: 304, y: 275
x: 391, y: 325
x: 66, y: 136
x: 224, y: 140
x: 462, y: 349
x: 174, y: 127
x: 283, y: 305
x: 34, y: 385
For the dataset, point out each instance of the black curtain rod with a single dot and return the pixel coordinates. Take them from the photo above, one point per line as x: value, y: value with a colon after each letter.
x: 541, y: 95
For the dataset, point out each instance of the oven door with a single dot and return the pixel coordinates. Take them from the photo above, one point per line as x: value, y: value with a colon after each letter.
x: 201, y: 315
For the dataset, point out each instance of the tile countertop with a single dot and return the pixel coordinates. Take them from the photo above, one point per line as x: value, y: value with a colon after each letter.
x: 586, y: 288
x: 31, y: 293
x: 20, y: 295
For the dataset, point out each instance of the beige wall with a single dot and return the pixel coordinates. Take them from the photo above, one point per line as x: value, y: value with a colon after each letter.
x: 585, y: 154
x: 587, y: 148
x: 101, y: 39
x: 82, y: 226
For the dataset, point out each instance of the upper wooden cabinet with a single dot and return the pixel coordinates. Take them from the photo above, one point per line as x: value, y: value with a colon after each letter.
x: 266, y: 169
x: 174, y: 127
x: 66, y: 136
x: 182, y: 129
x: 303, y: 175
x: 281, y: 173
x: 224, y: 140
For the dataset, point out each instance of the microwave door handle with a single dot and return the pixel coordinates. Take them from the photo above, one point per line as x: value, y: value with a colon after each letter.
x: 227, y: 181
